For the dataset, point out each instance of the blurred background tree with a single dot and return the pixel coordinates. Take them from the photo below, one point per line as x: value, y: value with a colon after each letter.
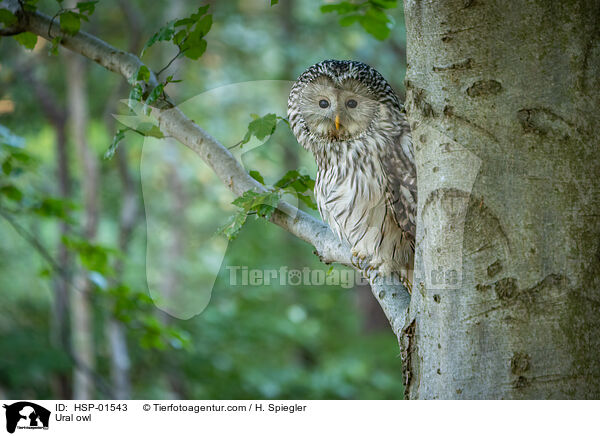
x: 77, y: 320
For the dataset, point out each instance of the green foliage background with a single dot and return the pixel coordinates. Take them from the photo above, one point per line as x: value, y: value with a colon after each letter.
x: 251, y: 342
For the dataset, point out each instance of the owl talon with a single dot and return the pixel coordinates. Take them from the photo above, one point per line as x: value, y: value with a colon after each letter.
x: 358, y: 260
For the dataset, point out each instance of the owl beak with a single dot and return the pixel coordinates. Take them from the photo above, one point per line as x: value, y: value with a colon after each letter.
x: 337, y: 122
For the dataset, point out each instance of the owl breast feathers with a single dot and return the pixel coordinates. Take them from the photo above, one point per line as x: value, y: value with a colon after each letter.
x: 349, y: 117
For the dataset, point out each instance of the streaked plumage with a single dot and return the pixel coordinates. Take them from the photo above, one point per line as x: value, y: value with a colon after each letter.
x: 366, y: 180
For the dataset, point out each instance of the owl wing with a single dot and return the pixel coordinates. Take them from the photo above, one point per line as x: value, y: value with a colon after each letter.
x: 401, y: 180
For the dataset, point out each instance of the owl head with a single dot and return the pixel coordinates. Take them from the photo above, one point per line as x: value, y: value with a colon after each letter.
x: 335, y: 101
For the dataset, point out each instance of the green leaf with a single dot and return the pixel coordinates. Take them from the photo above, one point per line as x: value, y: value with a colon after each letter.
x: 379, y: 16
x: 155, y: 94
x: 11, y: 192
x: 261, y: 127
x: 307, y: 200
x: 21, y: 157
x: 349, y: 20
x: 246, y: 200
x: 184, y: 22
x: 93, y: 257
x: 7, y: 17
x: 274, y: 2
x: 370, y: 14
x: 164, y: 34
x: 287, y: 179
x: 70, y: 22
x: 199, y: 13
x: 299, y: 185
x: 143, y: 74
x: 263, y: 203
x: 53, y: 207
x: 149, y: 129
x: 178, y: 338
x: 180, y: 36
x: 170, y: 79
x: 257, y: 176
x: 194, y: 49
x: 112, y: 148
x: 30, y: 5
x: 189, y: 33
x: 204, y: 25
x: 193, y: 45
x: 300, y: 182
x: 45, y: 272
x: 135, y: 94
x: 86, y: 7
x: 54, y: 45
x: 385, y: 4
x: 373, y: 23
x: 26, y: 39
x: 7, y: 166
x: 234, y: 225
x: 341, y: 8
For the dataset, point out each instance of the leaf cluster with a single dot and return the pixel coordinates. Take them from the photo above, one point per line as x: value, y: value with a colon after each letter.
x: 369, y: 14
x: 263, y: 204
x: 261, y: 127
x: 186, y: 33
x: 70, y: 18
x: 7, y: 18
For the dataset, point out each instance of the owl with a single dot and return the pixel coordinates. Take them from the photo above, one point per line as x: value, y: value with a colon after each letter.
x: 347, y: 115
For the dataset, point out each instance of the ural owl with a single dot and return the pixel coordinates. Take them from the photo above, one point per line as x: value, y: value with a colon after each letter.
x: 349, y: 117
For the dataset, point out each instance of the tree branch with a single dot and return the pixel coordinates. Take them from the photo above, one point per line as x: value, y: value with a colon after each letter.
x: 174, y: 123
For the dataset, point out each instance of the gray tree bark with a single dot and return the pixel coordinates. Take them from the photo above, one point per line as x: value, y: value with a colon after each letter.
x: 116, y: 332
x: 120, y: 361
x: 81, y: 309
x: 504, y: 100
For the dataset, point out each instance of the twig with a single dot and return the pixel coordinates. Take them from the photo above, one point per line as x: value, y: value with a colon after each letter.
x: 179, y: 53
x: 24, y: 233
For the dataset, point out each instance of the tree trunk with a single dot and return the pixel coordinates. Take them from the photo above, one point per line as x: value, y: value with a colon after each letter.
x: 120, y: 362
x: 116, y: 331
x: 171, y: 280
x: 57, y: 117
x: 503, y: 102
x: 81, y: 309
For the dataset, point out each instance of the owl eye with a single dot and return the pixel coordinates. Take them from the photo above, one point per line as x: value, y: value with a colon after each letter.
x: 351, y: 103
x: 323, y: 104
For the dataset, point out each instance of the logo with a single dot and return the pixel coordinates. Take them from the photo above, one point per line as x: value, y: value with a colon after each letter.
x: 26, y: 415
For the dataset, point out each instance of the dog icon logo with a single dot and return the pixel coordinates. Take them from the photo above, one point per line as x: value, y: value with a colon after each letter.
x: 26, y: 415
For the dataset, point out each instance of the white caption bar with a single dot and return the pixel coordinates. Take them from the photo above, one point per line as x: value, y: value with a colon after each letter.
x: 67, y: 418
